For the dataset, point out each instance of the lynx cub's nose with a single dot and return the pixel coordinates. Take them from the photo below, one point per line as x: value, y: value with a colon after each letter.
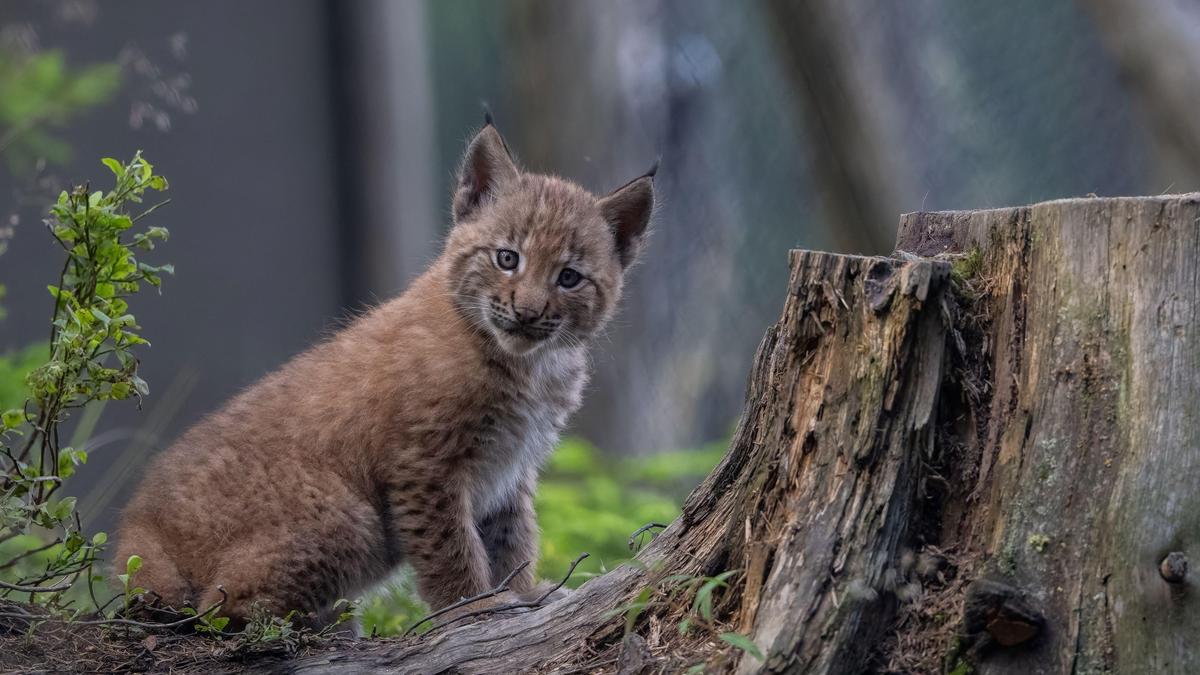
x: 526, y: 315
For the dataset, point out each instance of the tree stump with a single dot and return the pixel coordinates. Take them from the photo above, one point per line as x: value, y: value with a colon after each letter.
x: 983, y: 452
x: 1079, y: 475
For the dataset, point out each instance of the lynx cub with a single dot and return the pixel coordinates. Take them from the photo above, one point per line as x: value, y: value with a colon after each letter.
x: 416, y: 433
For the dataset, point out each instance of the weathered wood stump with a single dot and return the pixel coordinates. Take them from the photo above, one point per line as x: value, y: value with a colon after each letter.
x: 1080, y: 473
x: 983, y: 451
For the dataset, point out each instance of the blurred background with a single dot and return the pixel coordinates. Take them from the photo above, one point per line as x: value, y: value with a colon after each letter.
x: 311, y: 144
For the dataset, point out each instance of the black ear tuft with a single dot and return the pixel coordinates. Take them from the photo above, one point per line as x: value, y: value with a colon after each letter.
x: 653, y: 168
x: 627, y: 211
x: 487, y: 116
x: 486, y: 166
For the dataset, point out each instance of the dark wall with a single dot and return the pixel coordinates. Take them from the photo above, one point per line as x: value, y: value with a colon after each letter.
x: 254, y: 220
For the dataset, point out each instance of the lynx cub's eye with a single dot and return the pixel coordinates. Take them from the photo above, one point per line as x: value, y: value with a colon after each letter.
x: 569, y: 278
x: 507, y: 260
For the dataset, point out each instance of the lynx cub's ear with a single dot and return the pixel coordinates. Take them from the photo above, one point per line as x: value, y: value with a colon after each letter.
x: 485, y: 166
x: 627, y: 210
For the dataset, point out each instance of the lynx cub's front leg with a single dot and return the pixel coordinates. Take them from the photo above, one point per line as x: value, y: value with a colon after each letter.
x: 510, y: 536
x: 438, y: 536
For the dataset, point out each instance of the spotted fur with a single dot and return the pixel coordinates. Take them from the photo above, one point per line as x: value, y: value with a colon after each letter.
x: 413, y: 435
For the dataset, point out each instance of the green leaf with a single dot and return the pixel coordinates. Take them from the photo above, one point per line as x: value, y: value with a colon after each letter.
x: 743, y: 643
x: 63, y: 509
x: 704, y: 599
x: 113, y: 165
x: 73, y: 543
x: 99, y: 539
x: 13, y: 418
x: 133, y: 564
x: 636, y: 607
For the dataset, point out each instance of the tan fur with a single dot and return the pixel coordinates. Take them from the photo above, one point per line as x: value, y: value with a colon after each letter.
x: 416, y: 433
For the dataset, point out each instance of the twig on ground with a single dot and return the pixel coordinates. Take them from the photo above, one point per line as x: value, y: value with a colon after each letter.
x: 500, y: 588
x: 36, y: 589
x: 633, y: 538
x: 516, y: 605
x: 147, y: 625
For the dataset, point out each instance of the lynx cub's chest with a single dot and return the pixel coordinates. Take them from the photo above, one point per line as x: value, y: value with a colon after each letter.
x: 525, y: 434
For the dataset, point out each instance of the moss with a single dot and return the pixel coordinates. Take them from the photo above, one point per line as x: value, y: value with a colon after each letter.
x: 961, y: 668
x: 966, y: 266
x: 1045, y: 470
x: 1007, y: 561
x: 953, y: 662
x: 1038, y: 542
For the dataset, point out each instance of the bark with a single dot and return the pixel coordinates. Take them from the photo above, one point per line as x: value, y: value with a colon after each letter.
x: 1080, y: 475
x: 979, y: 451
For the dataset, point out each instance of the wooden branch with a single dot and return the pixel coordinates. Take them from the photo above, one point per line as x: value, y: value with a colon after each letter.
x: 517, y: 606
x: 500, y: 588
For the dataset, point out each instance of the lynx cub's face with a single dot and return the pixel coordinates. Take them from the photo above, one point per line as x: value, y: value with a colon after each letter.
x: 538, y: 262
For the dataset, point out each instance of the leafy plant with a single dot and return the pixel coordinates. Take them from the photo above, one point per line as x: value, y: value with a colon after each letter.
x: 743, y: 643
x: 92, y: 342
x: 264, y: 630
x: 132, y: 565
x: 694, y: 592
